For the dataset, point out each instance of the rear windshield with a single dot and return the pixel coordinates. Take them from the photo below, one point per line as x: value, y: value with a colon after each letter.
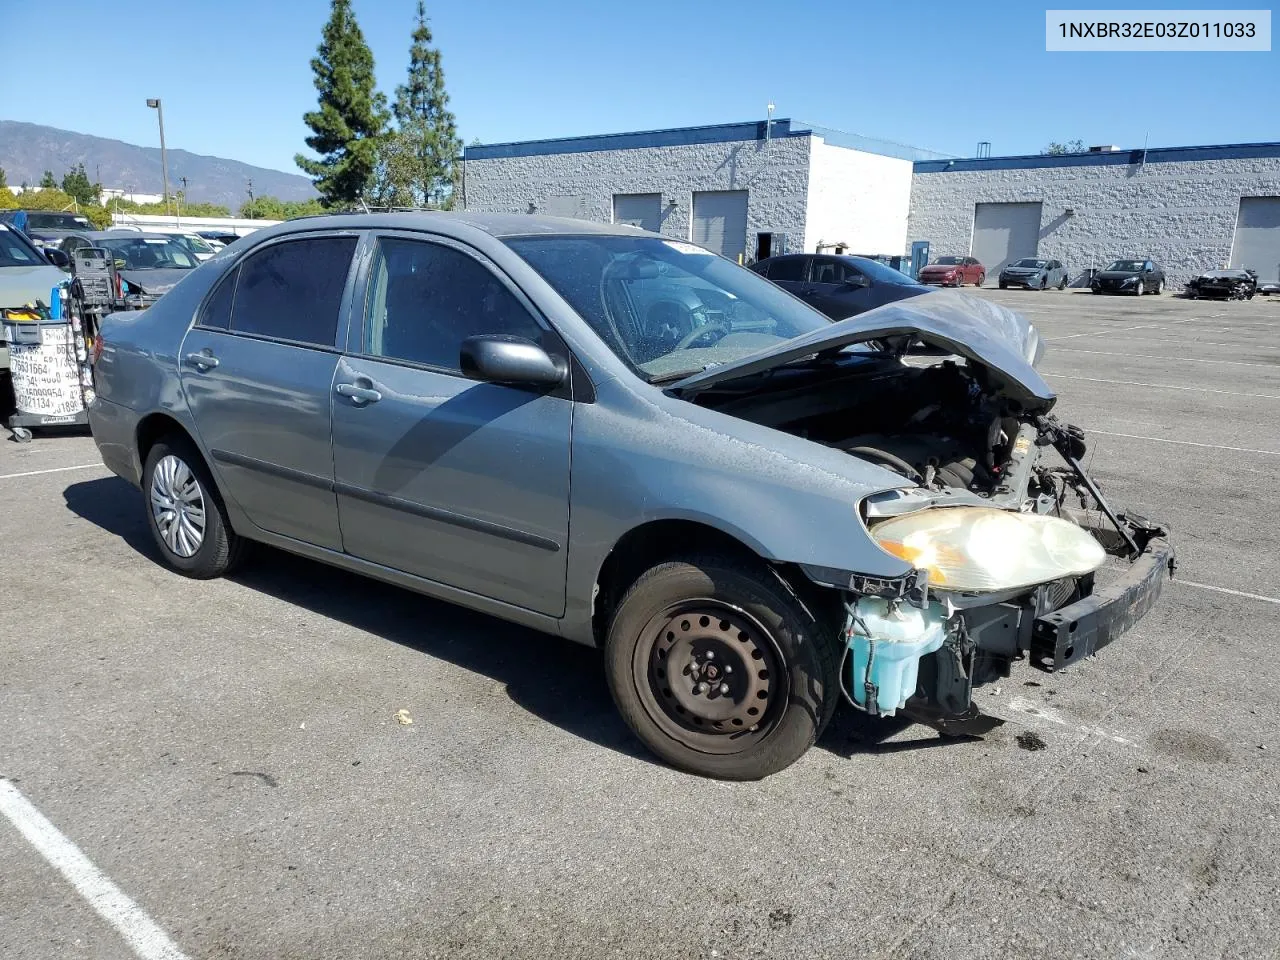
x: 57, y: 221
x: 149, y: 253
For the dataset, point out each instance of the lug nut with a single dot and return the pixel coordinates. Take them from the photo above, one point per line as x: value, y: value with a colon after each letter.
x: 700, y: 688
x: 724, y: 688
x: 711, y: 654
x: 728, y: 669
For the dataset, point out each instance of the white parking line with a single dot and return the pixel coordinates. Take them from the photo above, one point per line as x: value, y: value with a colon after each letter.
x: 1140, y: 326
x: 1166, y: 386
x: 1187, y: 443
x: 146, y: 939
x: 1148, y: 356
x: 1234, y: 593
x: 36, y: 473
x: 1028, y: 708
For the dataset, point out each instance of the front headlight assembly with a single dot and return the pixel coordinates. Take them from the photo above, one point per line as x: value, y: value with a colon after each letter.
x: 983, y: 550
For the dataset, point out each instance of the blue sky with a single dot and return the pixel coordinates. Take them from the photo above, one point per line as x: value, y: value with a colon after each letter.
x: 235, y: 77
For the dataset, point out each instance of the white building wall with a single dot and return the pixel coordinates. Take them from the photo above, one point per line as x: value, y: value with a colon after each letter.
x: 776, y: 173
x: 856, y: 198
x: 1180, y: 213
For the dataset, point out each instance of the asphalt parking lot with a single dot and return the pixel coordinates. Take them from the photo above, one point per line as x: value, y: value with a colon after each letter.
x: 229, y: 755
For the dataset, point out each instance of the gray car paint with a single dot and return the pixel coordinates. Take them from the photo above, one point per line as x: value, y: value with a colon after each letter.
x: 638, y: 454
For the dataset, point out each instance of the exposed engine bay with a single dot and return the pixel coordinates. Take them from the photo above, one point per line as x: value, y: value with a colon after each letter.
x: 940, y: 425
x: 1005, y: 571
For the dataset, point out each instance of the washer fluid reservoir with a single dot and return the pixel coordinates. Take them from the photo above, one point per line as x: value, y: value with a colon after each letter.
x: 886, y: 643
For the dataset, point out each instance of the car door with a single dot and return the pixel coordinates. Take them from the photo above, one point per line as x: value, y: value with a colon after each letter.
x: 838, y: 289
x: 257, y: 369
x: 458, y: 481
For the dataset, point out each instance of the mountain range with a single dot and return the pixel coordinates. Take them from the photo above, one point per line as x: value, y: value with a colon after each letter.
x: 29, y: 149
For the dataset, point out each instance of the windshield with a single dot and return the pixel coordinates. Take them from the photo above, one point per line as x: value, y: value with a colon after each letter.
x: 666, y: 308
x: 1038, y: 264
x: 57, y: 221
x: 947, y: 261
x: 1127, y: 266
x: 16, y: 252
x: 149, y: 253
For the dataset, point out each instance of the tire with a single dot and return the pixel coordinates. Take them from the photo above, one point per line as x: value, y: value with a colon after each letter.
x: 729, y: 626
x: 1003, y: 285
x: 185, y: 482
x: 1062, y: 284
x: 1159, y: 287
x: 982, y: 278
x: 1044, y: 282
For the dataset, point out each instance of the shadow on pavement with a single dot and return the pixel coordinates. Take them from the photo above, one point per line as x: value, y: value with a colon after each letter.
x: 558, y: 681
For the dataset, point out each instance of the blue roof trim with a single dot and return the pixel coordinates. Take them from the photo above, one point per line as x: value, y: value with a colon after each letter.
x: 1229, y: 151
x: 676, y: 137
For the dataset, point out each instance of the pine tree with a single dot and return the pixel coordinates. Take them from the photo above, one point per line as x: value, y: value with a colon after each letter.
x: 4, y: 182
x: 76, y: 183
x: 47, y: 182
x: 352, y: 115
x: 422, y: 154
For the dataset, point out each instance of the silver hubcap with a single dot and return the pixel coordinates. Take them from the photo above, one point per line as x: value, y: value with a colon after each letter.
x: 177, y: 504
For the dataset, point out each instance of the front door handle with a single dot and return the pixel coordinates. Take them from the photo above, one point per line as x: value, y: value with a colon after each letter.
x: 202, y: 361
x: 358, y: 394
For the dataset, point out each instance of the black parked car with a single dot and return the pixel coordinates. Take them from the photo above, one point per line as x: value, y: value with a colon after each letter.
x: 1130, y: 276
x: 838, y: 286
x: 1223, y: 285
x: 46, y: 228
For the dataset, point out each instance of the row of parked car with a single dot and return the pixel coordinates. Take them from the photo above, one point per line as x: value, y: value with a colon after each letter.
x: 1124, y: 276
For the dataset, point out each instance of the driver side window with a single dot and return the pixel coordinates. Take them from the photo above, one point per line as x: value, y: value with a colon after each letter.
x: 426, y: 298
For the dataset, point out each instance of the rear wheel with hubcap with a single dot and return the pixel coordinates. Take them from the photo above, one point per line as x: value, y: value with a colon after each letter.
x: 1159, y: 287
x: 719, y: 669
x: 184, y: 513
x: 1141, y: 288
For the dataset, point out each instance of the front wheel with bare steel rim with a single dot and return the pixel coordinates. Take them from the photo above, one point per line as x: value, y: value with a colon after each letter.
x: 719, y: 668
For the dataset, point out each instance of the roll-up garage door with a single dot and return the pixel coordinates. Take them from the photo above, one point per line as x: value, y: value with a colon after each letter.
x: 1003, y: 232
x: 720, y: 221
x: 1257, y: 243
x: 643, y: 210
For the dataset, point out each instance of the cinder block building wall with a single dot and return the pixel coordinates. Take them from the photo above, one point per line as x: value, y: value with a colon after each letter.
x: 1180, y: 206
x: 697, y: 183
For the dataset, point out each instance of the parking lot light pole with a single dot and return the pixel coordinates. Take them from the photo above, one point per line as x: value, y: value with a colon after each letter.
x: 164, y: 154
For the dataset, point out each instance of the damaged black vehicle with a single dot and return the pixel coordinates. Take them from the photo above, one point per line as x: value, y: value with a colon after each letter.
x: 1223, y: 285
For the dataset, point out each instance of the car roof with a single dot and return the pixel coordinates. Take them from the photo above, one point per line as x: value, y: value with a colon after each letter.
x: 497, y: 225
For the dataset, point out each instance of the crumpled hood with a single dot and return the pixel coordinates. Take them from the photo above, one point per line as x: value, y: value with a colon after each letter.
x: 154, y: 282
x: 969, y: 326
x: 1224, y: 275
x: 22, y: 285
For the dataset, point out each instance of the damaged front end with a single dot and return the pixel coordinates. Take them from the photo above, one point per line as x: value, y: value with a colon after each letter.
x: 961, y: 619
x: 1014, y: 552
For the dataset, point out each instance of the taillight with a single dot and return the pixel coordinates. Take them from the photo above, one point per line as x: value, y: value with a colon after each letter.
x: 97, y: 348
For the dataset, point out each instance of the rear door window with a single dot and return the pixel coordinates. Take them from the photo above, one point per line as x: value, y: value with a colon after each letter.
x: 293, y: 290
x: 789, y: 269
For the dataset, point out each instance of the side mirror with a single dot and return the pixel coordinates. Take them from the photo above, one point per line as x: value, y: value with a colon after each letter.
x: 857, y: 282
x: 511, y: 360
x: 57, y: 258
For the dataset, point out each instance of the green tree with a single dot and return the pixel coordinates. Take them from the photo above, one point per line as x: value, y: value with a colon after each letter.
x: 273, y: 208
x: 76, y: 183
x: 4, y: 182
x: 1056, y: 149
x: 352, y: 116
x: 47, y: 182
x: 419, y: 158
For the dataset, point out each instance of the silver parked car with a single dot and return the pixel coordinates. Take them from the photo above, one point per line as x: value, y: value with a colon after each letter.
x: 625, y: 440
x: 1034, y: 273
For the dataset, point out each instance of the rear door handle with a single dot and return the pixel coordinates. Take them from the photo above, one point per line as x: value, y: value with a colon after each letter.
x: 202, y: 361
x: 357, y: 393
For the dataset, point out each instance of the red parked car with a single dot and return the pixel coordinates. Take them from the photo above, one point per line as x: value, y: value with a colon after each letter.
x: 954, y: 272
